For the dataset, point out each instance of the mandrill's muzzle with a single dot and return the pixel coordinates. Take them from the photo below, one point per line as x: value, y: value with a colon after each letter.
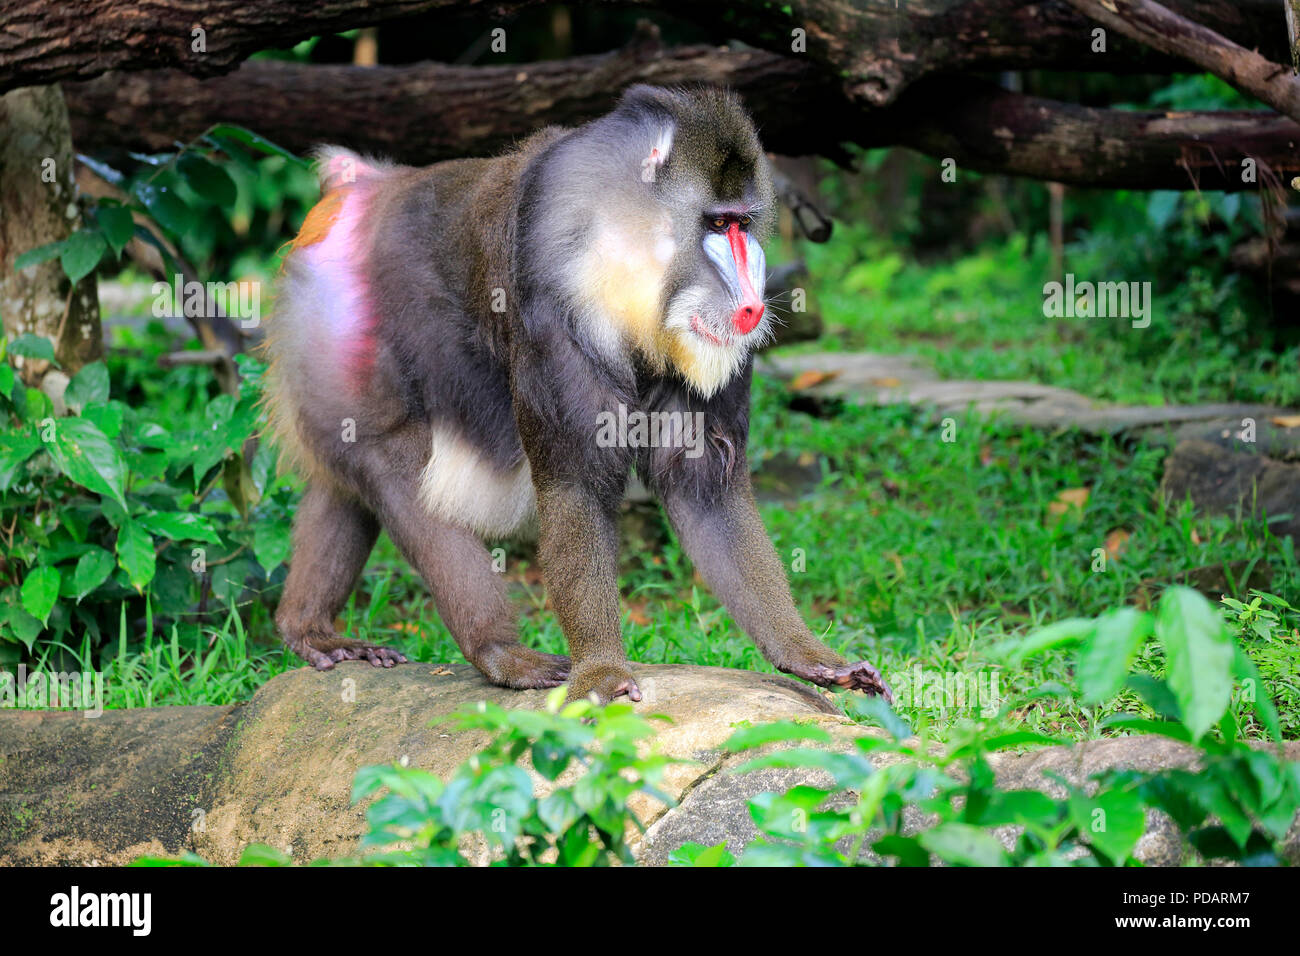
x: 742, y: 266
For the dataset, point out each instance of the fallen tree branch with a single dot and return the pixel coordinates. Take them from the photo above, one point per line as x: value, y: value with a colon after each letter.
x: 481, y: 110
x: 433, y: 111
x: 989, y: 129
x: 1166, y: 31
x: 874, y: 49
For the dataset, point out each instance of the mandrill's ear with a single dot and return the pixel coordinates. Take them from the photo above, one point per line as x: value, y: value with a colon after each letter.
x: 653, y: 107
x: 658, y: 154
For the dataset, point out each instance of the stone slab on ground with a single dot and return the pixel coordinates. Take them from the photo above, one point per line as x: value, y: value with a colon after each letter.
x: 873, y: 378
x: 279, y: 769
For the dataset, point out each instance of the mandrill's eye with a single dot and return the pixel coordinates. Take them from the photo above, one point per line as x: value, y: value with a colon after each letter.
x: 745, y: 221
x: 719, y: 224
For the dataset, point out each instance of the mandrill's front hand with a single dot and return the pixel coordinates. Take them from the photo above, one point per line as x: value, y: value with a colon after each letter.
x: 814, y: 661
x: 860, y: 676
x: 606, y: 681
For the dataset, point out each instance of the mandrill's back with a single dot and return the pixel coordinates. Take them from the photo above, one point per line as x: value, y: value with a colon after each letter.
x: 370, y: 335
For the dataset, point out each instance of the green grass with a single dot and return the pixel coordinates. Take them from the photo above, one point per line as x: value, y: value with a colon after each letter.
x: 981, y: 317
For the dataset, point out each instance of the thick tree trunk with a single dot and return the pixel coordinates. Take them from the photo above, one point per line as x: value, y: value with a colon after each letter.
x: 876, y: 48
x: 481, y: 110
x: 38, y: 205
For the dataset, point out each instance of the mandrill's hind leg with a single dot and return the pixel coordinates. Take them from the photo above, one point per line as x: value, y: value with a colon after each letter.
x: 471, y: 597
x: 332, y: 537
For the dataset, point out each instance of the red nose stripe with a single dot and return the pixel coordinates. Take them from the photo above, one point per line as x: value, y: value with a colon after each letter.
x: 751, y: 308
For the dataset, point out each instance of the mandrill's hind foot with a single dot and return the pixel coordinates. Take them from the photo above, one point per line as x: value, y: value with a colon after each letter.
x: 324, y: 651
x: 606, y: 681
x: 860, y: 676
x: 521, y: 668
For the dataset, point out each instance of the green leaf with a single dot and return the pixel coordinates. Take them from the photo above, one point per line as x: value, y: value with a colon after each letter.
x: 746, y: 738
x: 86, y: 456
x: 116, y: 225
x: 107, y: 416
x: 697, y: 854
x: 259, y: 854
x: 135, y: 553
x: 34, y: 257
x: 252, y: 140
x: 162, y: 203
x: 908, y: 849
x: 36, y: 406
x: 24, y: 626
x: 1070, y: 631
x: 1245, y: 670
x: 228, y: 580
x: 208, y: 180
x: 30, y: 345
x: 1112, y: 821
x: 181, y: 526
x: 93, y: 569
x: 1017, y: 807
x: 81, y: 253
x: 963, y: 845
x: 1105, y: 658
x: 40, y: 591
x: 271, y: 544
x: 88, y: 385
x: 15, y: 449
x: 1198, y: 648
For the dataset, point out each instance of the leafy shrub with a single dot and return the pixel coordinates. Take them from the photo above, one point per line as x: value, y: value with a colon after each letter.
x: 1253, y: 792
x: 113, y: 512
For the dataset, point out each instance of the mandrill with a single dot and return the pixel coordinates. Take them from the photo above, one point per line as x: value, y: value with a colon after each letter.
x: 449, y: 343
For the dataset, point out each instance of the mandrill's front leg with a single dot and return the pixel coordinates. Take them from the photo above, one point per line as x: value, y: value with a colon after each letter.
x: 725, y: 538
x: 578, y: 551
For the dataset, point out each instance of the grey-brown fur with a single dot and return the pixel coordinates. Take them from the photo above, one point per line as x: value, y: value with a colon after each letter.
x: 523, y: 389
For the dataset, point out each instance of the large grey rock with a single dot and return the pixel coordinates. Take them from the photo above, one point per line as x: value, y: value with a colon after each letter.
x: 279, y: 769
x: 1268, y: 438
x: 106, y: 790
x: 1224, y: 482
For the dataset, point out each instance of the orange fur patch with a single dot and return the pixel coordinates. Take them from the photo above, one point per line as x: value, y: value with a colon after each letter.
x: 320, y: 219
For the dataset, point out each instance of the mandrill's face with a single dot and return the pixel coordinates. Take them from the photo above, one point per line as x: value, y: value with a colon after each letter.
x: 671, y: 262
x: 714, y: 312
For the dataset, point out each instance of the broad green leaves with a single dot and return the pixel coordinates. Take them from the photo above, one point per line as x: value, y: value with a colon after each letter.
x: 1200, y: 654
x: 39, y: 592
x: 1112, y: 821
x: 181, y: 526
x: 88, y: 385
x: 30, y: 345
x: 1105, y: 660
x: 135, y: 553
x: 92, y: 570
x: 86, y: 456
